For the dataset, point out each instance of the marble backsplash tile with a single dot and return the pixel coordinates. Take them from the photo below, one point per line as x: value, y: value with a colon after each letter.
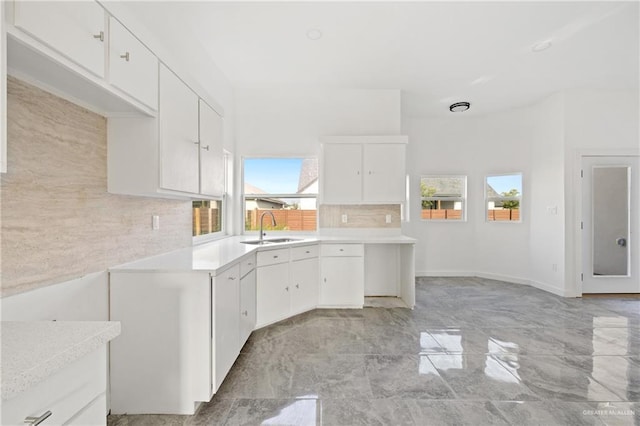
x: 359, y: 216
x: 57, y: 220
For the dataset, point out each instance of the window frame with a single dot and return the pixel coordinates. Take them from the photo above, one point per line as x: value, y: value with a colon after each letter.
x: 244, y: 196
x: 224, y: 199
x: 463, y: 199
x: 487, y: 199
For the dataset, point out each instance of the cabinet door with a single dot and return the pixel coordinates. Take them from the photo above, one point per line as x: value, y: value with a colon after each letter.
x: 178, y: 134
x: 342, y: 281
x: 76, y: 29
x: 247, y: 306
x: 384, y: 173
x: 342, y: 173
x: 273, y: 298
x: 132, y: 67
x: 226, y: 308
x: 304, y: 285
x: 211, y: 156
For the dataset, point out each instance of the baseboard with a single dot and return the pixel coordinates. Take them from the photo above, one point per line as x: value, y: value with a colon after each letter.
x: 506, y: 278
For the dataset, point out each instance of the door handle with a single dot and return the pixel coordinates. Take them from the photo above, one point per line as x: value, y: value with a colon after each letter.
x: 622, y: 242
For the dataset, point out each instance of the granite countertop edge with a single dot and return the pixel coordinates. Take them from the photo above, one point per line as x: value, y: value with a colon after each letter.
x: 19, y: 378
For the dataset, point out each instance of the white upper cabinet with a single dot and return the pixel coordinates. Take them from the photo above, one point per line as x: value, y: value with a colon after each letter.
x: 363, y: 169
x: 132, y: 67
x: 211, y: 151
x: 76, y: 29
x: 342, y: 173
x: 384, y: 172
x: 179, y: 139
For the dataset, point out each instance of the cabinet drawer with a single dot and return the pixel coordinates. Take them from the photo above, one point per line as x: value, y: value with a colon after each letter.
x: 304, y: 252
x: 272, y: 257
x: 342, y: 250
x: 231, y: 274
x: 65, y: 393
x: 247, y: 265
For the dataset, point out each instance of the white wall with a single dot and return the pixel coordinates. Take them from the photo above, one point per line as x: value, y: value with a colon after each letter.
x: 289, y: 122
x: 472, y: 146
x: 286, y: 122
x: 596, y: 122
x: 546, y: 244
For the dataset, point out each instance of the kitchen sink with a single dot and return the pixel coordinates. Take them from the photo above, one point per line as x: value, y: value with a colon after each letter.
x: 271, y: 241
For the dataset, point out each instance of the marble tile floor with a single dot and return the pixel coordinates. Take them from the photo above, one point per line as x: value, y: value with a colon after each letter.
x: 472, y: 352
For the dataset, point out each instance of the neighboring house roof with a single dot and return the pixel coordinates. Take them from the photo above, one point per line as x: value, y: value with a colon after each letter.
x: 446, y: 187
x: 492, y: 192
x: 308, y: 173
x: 254, y: 190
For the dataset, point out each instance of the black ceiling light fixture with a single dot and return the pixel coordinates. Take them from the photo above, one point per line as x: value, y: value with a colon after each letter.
x: 459, y: 107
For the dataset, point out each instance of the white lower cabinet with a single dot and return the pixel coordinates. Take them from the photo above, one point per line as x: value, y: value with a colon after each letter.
x: 225, y: 290
x: 247, y: 298
x: 342, y: 275
x: 181, y: 334
x: 287, y: 283
x: 273, y: 298
x: 304, y: 284
x: 75, y: 395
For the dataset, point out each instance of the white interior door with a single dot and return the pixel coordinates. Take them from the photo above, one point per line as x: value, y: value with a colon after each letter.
x: 610, y: 186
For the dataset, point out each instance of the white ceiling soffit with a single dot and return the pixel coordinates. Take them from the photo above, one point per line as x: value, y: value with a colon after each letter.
x: 437, y: 53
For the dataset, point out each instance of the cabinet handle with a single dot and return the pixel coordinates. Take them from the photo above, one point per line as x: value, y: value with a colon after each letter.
x: 37, y: 420
x: 275, y: 257
x: 325, y: 280
x: 307, y: 251
x: 358, y: 172
x: 249, y: 264
x: 232, y: 278
x: 287, y: 288
x: 99, y: 36
x: 297, y: 285
x: 126, y: 56
x: 341, y: 249
x: 245, y: 313
x: 205, y: 147
x: 370, y: 172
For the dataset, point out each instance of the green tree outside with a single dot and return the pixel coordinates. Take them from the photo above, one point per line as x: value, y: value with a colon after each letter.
x: 511, y: 204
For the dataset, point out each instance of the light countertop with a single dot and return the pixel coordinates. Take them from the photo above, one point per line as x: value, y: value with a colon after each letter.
x: 216, y: 256
x: 34, y: 350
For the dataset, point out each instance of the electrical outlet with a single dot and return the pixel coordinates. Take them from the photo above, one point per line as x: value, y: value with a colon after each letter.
x: 344, y: 218
x: 155, y: 222
x: 387, y: 218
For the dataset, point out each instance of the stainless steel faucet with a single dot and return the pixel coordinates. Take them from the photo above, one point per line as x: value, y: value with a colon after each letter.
x: 273, y: 222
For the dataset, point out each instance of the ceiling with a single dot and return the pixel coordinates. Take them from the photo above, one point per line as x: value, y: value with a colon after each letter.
x: 437, y: 53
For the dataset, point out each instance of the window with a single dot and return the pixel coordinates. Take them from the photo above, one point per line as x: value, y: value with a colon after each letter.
x: 287, y: 187
x: 208, y: 216
x: 443, y: 197
x: 503, y: 195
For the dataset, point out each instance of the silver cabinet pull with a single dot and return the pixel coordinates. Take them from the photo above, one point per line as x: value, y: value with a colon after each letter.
x: 341, y: 249
x: 205, y: 147
x: 37, y: 420
x: 287, y: 288
x: 297, y: 285
x: 126, y: 56
x: 275, y: 257
x: 232, y: 278
x: 250, y: 264
x: 622, y: 242
x: 99, y: 36
x: 307, y: 251
x: 245, y: 313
